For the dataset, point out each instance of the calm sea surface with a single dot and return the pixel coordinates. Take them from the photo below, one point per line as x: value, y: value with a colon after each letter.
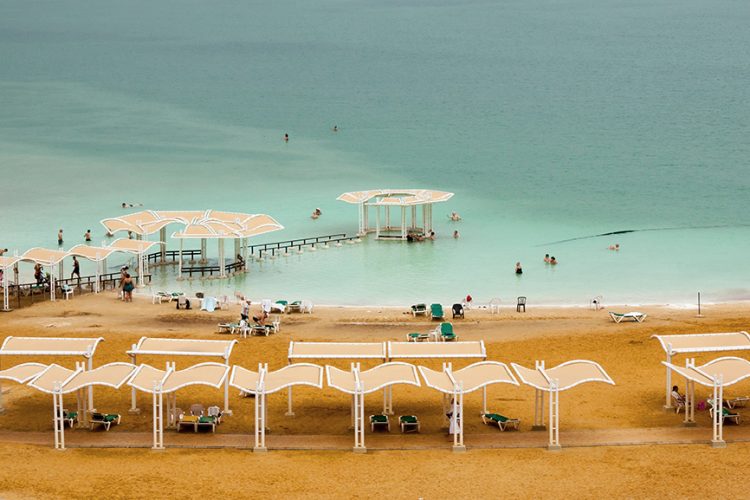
x: 550, y: 121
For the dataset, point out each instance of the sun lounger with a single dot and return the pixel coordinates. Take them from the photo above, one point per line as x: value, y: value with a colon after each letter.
x: 380, y: 421
x: 418, y: 309
x: 436, y: 311
x: 728, y: 414
x: 70, y: 417
x: 409, y: 423
x: 214, y: 411
x: 445, y: 332
x: 502, y: 422
x: 188, y: 421
x: 417, y: 337
x: 307, y: 307
x: 206, y: 421
x: 632, y: 316
x: 738, y: 402
x: 258, y: 330
x: 227, y: 327
x: 208, y: 304
x: 295, y: 306
x: 280, y: 306
x: 104, y: 419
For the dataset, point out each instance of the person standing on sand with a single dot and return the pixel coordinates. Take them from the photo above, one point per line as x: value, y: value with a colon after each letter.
x: 60, y: 238
x: 519, y: 269
x: 127, y: 288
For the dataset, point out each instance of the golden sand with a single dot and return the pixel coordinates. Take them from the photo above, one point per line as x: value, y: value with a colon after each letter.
x: 626, y: 351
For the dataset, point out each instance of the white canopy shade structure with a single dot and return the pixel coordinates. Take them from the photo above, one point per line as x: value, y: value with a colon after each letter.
x: 6, y: 264
x: 137, y: 248
x: 437, y: 350
x: 149, y: 346
x: 52, y: 346
x: 358, y: 383
x: 58, y: 380
x: 263, y: 382
x: 717, y: 374
x: 468, y: 379
x: 402, y: 199
x: 197, y: 224
x: 696, y: 343
x: 553, y: 380
x: 49, y: 258
x: 20, y: 373
x: 160, y: 382
x: 333, y: 350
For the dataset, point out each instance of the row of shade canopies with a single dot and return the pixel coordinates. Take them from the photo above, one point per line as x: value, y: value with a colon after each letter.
x: 716, y: 374
x: 58, y: 381
x: 53, y: 260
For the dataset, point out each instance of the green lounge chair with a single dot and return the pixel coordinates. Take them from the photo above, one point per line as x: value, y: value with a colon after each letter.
x: 436, y: 311
x: 733, y: 416
x: 206, y: 421
x: 409, y: 423
x: 69, y: 417
x: 417, y: 337
x: 295, y: 306
x: 445, y: 330
x: 380, y: 421
x: 501, y: 421
x: 418, y: 309
x: 104, y: 419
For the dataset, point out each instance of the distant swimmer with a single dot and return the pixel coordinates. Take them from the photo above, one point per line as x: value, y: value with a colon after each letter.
x: 316, y: 213
x: 546, y: 258
x: 131, y: 205
x: 615, y: 247
x: 60, y: 237
x: 455, y: 234
x: 335, y: 128
x: 2, y: 251
x: 519, y: 269
x: 87, y: 236
x: 286, y: 137
x: 455, y: 216
x: 552, y: 260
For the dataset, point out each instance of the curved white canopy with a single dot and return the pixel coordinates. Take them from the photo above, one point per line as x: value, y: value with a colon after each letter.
x: 8, y: 261
x: 111, y: 375
x: 198, y: 223
x: 337, y: 350
x: 469, y: 378
x: 441, y: 350
x: 375, y: 378
x: 395, y: 197
x: 95, y: 254
x: 729, y: 370
x: 211, y: 374
x: 566, y: 375
x: 43, y: 256
x: 290, y: 375
x: 183, y: 347
x: 22, y: 373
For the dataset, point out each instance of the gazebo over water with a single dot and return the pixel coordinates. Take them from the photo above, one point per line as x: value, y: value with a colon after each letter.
x: 387, y: 199
x: 197, y: 224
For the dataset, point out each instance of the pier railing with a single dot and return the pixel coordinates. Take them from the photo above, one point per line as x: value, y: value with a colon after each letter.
x: 284, y: 246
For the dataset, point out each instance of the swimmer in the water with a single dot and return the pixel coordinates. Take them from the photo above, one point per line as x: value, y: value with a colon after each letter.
x: 546, y: 258
x: 335, y: 128
x: 615, y: 247
x: 552, y: 260
x: 455, y: 216
x: 455, y: 234
x: 286, y: 137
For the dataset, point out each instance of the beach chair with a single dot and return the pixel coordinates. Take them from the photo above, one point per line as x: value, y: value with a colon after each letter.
x: 738, y: 402
x: 502, y: 422
x: 295, y: 306
x: 436, y: 311
x: 227, y: 327
x: 307, y: 307
x: 160, y: 296
x: 190, y: 421
x: 206, y: 421
x: 445, y: 332
x: 632, y: 316
x: 215, y: 412
x: 67, y: 291
x: 727, y: 414
x: 280, y: 306
x: 380, y: 421
x: 209, y: 304
x: 183, y: 302
x: 521, y: 304
x: 458, y: 311
x: 197, y: 409
x: 417, y: 337
x: 174, y: 417
x: 494, y: 306
x: 408, y: 423
x: 419, y: 309
x: 70, y: 418
x: 258, y: 330
x: 104, y: 419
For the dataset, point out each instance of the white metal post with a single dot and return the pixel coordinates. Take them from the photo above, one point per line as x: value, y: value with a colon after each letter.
x: 51, y: 283
x: 484, y: 400
x: 222, y: 271
x: 377, y: 221
x: 57, y: 406
x: 403, y: 222
x: 179, y: 262
x: 158, y: 417
x: 133, y: 403
x: 718, y: 413
x: 6, y: 305
x: 668, y: 388
x: 91, y: 387
x: 141, y: 277
x: 554, y: 416
x: 366, y: 219
x: 226, y: 385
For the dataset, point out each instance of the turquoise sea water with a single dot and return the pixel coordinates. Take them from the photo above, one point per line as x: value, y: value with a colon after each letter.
x: 549, y: 120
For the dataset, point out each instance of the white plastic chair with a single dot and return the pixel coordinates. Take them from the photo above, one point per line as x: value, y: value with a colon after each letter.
x: 67, y: 291
x: 306, y: 307
x: 495, y: 306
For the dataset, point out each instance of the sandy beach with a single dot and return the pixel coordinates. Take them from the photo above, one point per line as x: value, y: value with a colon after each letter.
x: 633, y: 408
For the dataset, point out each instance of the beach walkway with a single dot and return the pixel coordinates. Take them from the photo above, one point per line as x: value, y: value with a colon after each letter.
x: 385, y: 441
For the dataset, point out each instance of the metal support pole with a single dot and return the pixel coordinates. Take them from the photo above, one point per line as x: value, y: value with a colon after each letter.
x: 204, y: 244
x: 718, y: 414
x: 133, y: 404
x: 163, y: 246
x: 554, y: 416
x: 668, y: 388
x: 179, y: 262
x: 403, y: 223
x: 366, y: 219
x: 226, y: 389
x: 91, y: 387
x: 158, y: 417
x: 377, y: 221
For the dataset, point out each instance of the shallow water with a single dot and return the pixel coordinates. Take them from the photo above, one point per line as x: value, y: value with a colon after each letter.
x: 549, y: 120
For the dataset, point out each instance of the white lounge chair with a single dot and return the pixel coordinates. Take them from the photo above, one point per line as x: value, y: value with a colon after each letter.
x: 380, y: 421
x: 67, y: 291
x: 632, y: 316
x: 306, y: 307
x: 494, y: 306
